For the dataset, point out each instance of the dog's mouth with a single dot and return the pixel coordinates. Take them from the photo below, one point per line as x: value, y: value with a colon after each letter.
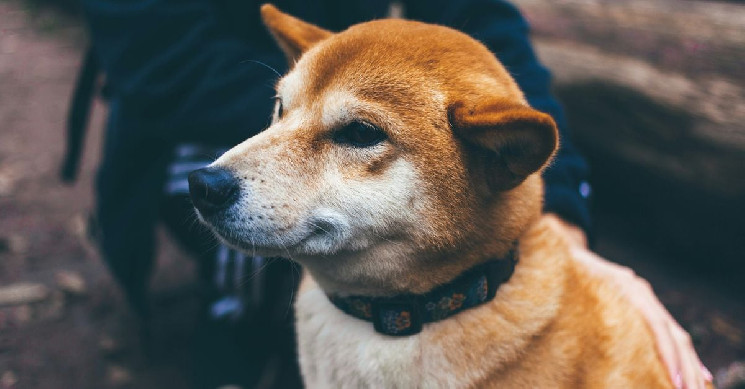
x: 247, y: 240
x: 312, y: 236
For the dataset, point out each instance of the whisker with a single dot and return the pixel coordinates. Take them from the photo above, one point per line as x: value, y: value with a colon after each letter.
x: 264, y: 65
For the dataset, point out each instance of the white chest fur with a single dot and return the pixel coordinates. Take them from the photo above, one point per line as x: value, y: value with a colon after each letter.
x: 340, y: 351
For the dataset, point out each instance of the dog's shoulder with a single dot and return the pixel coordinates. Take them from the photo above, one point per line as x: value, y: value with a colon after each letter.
x: 615, y: 338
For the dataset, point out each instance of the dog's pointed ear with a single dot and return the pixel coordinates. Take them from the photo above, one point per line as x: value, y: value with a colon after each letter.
x: 509, y: 141
x: 293, y: 35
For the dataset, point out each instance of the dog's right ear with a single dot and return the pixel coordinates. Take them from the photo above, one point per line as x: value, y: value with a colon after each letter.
x: 508, y: 141
x: 293, y: 35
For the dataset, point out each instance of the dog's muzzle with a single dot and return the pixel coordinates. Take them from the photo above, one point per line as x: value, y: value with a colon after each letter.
x: 212, y: 189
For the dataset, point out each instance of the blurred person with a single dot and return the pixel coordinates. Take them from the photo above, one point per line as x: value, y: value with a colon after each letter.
x: 188, y: 79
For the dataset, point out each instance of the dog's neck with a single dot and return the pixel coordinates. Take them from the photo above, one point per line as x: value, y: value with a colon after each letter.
x: 492, y: 236
x: 480, y: 342
x: 405, y: 314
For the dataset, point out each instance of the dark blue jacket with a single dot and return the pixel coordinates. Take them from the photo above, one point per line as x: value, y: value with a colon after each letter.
x: 198, y: 70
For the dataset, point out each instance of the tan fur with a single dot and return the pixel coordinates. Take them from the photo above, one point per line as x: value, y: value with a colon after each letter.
x: 550, y: 326
x: 455, y: 183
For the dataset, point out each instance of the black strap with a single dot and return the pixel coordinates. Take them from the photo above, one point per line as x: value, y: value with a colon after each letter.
x: 405, y: 315
x: 77, y: 116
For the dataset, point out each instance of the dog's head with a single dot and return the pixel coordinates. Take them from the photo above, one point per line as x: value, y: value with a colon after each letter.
x: 395, y: 147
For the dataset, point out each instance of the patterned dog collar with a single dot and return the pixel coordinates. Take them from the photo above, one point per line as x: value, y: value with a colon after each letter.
x: 404, y: 315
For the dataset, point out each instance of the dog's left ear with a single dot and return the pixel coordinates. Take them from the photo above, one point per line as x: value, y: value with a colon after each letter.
x: 510, y: 141
x: 293, y: 35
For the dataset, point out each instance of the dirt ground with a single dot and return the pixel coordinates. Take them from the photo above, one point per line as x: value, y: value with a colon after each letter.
x: 72, y: 330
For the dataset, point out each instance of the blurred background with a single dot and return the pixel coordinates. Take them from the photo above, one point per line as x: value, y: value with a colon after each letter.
x: 655, y: 94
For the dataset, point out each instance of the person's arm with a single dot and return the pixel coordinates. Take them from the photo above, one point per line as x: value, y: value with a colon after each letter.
x: 174, y: 66
x: 501, y: 27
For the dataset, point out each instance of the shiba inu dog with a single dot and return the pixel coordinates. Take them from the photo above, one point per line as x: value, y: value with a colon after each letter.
x: 402, y: 169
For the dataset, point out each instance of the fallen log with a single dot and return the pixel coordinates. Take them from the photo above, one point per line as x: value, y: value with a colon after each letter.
x: 655, y: 95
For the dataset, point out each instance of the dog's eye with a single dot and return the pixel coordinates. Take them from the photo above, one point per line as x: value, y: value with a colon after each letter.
x: 359, y: 134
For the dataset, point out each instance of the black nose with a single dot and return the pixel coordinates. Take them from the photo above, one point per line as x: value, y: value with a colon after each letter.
x: 212, y: 189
